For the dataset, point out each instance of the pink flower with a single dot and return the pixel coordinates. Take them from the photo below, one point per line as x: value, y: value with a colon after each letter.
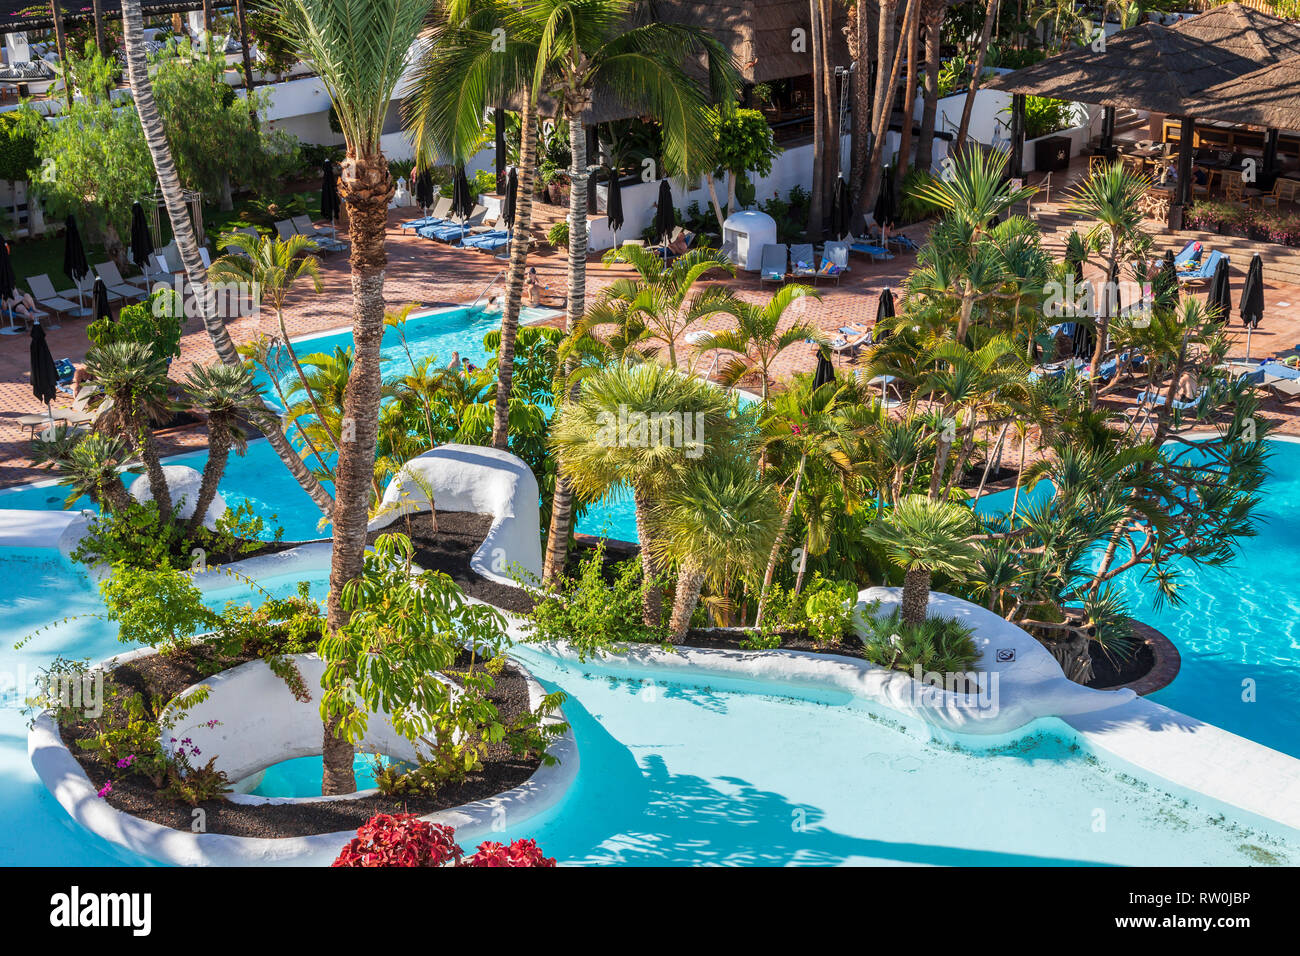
x: 126, y: 762
x: 106, y: 789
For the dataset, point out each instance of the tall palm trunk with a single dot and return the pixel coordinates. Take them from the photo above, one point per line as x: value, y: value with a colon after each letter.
x: 831, y: 157
x: 985, y: 36
x: 557, y: 538
x: 367, y: 187
x: 247, y: 56
x: 652, y: 599
x: 916, y: 595
x: 97, y: 11
x: 183, y: 231
x: 290, y: 351
x: 775, y: 555
x: 61, y: 45
x: 218, y: 455
x: 934, y: 12
x: 515, y: 274
x: 147, y: 449
x: 859, y: 48
x: 885, y: 102
x: 909, y: 103
x: 690, y: 581
x: 819, y: 121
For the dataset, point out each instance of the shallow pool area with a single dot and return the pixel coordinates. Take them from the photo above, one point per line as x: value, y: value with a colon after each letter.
x: 301, y: 777
x: 679, y: 773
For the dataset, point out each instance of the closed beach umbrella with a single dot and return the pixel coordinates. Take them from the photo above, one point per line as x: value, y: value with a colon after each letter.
x: 841, y: 209
x: 329, y: 192
x: 1220, y: 296
x: 74, y: 258
x: 825, y: 370
x: 424, y: 189
x: 508, y: 208
x: 884, y: 310
x: 44, y: 377
x: 884, y: 211
x: 141, y: 240
x: 100, y: 297
x: 7, y: 279
x: 1165, y: 287
x: 461, y: 201
x: 614, y: 203
x: 1252, y: 298
x: 665, y: 217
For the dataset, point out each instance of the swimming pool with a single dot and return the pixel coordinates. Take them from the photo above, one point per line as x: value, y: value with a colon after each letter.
x: 693, y: 773
x: 1238, y: 628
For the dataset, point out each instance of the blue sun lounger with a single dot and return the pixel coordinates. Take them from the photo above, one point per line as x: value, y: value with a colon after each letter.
x: 872, y: 250
x: 436, y: 217
x: 487, y: 240
x: 1205, y: 270
x: 1145, y: 398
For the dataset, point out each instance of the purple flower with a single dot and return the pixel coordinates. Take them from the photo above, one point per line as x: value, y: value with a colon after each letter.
x: 126, y: 762
x: 106, y: 789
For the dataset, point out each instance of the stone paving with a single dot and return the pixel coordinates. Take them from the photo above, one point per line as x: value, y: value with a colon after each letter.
x: 432, y: 275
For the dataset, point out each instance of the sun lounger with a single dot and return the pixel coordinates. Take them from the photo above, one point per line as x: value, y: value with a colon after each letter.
x: 436, y: 217
x: 1278, y: 370
x: 1204, y: 271
x: 803, y: 262
x: 863, y: 247
x: 1107, y: 369
x: 285, y: 230
x: 43, y: 292
x: 113, y: 279
x: 835, y: 262
x: 1283, y: 389
x: 1190, y: 253
x: 86, y: 288
x: 1159, y: 398
x: 453, y: 230
x: 306, y: 227
x: 846, y: 343
x: 771, y: 267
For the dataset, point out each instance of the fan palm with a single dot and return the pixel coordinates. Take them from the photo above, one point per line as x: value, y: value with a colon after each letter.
x: 128, y: 393
x: 758, y: 337
x: 224, y: 393
x: 644, y: 425
x: 924, y: 537
x: 723, y: 509
x: 656, y: 308
x: 90, y: 465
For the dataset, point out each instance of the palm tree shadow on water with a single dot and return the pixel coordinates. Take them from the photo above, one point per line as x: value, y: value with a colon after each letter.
x: 636, y: 812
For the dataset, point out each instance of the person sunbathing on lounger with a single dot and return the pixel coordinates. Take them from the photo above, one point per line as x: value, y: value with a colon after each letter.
x: 21, y: 304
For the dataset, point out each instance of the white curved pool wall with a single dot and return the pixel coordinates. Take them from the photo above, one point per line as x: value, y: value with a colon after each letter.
x: 183, y: 484
x: 473, y: 822
x: 43, y: 529
x: 260, y: 723
x: 479, y: 480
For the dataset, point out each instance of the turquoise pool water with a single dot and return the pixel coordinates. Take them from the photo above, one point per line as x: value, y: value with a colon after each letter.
x: 1238, y: 628
x: 724, y: 774
x: 301, y: 777
x: 38, y: 587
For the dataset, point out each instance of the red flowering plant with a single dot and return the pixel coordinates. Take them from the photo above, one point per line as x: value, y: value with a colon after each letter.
x: 519, y: 853
x: 401, y: 839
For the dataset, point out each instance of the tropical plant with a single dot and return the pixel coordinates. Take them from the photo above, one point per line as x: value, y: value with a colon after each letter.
x: 723, y: 508
x: 128, y: 394
x: 224, y: 394
x: 644, y: 425
x: 758, y: 337
x: 649, y: 313
x: 88, y: 465
x: 924, y: 537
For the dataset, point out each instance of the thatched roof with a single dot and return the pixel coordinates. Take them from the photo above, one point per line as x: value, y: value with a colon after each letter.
x: 1268, y: 97
x: 1148, y: 67
x: 1248, y: 32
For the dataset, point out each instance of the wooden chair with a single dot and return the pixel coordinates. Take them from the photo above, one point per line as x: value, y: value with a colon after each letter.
x: 1234, y: 191
x: 1284, y: 191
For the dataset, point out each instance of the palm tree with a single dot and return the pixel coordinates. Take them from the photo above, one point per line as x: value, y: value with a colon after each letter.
x: 169, y: 184
x: 758, y: 337
x: 360, y: 51
x: 722, y: 509
x: 933, y: 13
x: 1111, y: 195
x: 977, y: 74
x: 657, y: 306
x: 128, y: 393
x: 644, y: 425
x: 804, y: 423
x: 224, y: 393
x: 90, y: 465
x: 924, y: 537
x: 272, y: 266
x: 959, y: 258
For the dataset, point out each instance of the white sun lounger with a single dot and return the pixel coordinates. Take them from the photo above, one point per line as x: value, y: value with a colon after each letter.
x: 112, y: 277
x: 43, y: 292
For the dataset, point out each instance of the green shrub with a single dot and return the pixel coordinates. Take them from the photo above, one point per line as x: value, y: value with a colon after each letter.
x: 155, y: 322
x: 138, y: 536
x: 159, y: 607
x: 939, y: 644
x: 591, y: 613
x: 913, y: 207
x: 558, y: 235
